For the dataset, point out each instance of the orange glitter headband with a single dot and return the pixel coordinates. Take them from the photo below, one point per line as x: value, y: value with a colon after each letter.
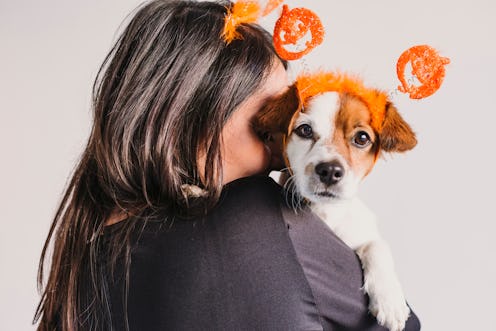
x: 240, y: 12
x: 291, y: 26
x: 310, y: 85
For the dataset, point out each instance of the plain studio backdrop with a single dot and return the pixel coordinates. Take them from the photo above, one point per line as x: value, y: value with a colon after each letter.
x: 435, y: 204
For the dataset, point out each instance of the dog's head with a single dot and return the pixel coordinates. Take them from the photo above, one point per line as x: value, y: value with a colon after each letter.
x: 333, y: 133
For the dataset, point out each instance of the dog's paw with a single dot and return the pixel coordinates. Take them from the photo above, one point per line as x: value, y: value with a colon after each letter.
x: 390, y: 315
x: 388, y: 305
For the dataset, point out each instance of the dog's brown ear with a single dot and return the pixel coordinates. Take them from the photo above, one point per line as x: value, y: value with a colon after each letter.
x: 276, y: 116
x: 396, y: 134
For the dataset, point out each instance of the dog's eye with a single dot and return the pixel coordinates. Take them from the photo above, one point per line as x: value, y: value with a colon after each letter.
x: 304, y: 131
x: 361, y: 139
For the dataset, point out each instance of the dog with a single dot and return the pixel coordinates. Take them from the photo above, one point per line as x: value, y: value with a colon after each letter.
x: 333, y: 128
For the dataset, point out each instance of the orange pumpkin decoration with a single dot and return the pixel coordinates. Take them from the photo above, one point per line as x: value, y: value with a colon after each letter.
x: 292, y: 26
x: 427, y: 67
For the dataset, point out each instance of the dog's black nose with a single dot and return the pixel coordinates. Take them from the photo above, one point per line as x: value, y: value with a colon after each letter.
x: 329, y: 172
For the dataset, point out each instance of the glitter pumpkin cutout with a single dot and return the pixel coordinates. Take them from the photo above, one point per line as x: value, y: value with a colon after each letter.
x: 427, y: 67
x: 292, y: 26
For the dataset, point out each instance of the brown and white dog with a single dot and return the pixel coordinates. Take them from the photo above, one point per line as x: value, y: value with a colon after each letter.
x: 333, y: 129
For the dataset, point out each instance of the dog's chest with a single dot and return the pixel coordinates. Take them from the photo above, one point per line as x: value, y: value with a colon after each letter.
x: 349, y: 219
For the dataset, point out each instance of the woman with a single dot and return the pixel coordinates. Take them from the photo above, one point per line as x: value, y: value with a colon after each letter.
x: 161, y: 227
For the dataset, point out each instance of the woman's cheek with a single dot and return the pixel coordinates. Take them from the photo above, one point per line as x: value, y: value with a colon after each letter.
x: 265, y: 155
x: 260, y: 156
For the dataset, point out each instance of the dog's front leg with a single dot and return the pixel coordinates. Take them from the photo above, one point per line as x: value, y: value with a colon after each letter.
x: 353, y: 222
x: 387, y: 301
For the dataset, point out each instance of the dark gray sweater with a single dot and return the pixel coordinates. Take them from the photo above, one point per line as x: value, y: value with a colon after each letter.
x: 251, y: 264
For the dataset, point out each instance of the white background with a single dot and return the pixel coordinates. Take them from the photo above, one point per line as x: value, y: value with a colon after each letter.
x: 435, y: 204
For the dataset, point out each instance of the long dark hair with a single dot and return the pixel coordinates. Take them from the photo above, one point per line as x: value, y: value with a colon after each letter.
x: 160, y: 99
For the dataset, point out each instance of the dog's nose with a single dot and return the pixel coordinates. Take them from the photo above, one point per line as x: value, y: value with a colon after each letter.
x: 329, y: 172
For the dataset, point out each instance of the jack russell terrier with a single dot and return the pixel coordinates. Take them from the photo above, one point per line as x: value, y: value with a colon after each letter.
x: 333, y: 129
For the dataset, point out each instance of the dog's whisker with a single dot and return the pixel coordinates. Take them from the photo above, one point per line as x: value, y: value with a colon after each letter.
x: 292, y: 196
x: 288, y: 190
x: 296, y: 198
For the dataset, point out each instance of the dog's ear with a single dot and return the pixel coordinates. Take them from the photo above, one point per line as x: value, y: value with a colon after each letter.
x: 396, y: 134
x: 277, y: 115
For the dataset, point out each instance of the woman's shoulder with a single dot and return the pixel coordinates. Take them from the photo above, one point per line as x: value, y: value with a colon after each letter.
x: 235, y: 264
x: 262, y: 185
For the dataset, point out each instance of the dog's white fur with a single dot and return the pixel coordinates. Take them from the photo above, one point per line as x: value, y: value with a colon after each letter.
x: 344, y: 213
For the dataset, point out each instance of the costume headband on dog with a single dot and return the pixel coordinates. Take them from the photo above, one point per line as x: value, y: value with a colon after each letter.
x: 310, y: 85
x: 291, y: 26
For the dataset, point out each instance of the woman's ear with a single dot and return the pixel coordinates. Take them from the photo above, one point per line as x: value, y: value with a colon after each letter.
x: 277, y: 114
x: 396, y: 134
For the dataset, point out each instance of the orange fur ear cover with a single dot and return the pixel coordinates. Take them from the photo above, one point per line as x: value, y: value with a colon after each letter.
x: 278, y: 115
x: 310, y: 85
